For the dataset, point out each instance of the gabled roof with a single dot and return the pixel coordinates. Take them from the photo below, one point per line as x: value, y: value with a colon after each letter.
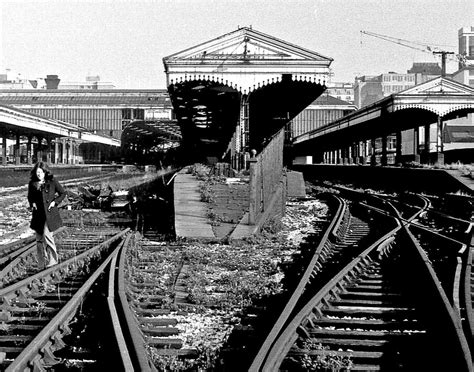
x: 326, y: 99
x: 112, y: 97
x: 247, y: 43
x: 438, y: 86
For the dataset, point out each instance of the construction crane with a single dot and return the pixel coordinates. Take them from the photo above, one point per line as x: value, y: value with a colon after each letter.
x: 423, y: 48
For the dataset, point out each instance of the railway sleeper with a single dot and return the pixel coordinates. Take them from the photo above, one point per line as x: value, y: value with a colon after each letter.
x: 366, y: 334
x: 158, y: 331
x: 183, y: 353
x: 368, y: 344
x: 158, y: 321
x: 365, y: 313
x: 367, y: 302
x: 362, y: 360
x: 164, y: 342
x: 367, y: 324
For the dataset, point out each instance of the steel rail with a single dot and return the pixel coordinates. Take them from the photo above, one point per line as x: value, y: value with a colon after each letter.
x: 270, y: 358
x: 137, y: 348
x: 21, y: 288
x: 122, y: 345
x: 288, y: 336
x: 264, y: 350
x: 457, y: 280
x: 12, y: 257
x: 468, y: 293
x: 290, y: 305
x: 452, y: 318
x: 49, y: 339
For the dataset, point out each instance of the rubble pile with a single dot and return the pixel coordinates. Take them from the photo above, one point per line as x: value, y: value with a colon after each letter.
x: 95, y: 197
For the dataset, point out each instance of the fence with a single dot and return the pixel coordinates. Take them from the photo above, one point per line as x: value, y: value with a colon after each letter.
x: 266, y: 179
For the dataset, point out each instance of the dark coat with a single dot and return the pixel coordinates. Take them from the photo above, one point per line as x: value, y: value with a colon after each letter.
x: 51, y: 190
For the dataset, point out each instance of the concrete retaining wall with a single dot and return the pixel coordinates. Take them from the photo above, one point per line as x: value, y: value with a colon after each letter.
x: 388, y: 178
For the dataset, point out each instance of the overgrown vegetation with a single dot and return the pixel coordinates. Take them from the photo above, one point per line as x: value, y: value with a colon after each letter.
x: 325, y: 359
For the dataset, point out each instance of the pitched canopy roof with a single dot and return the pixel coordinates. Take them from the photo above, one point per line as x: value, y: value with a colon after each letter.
x: 247, y: 44
x: 246, y: 59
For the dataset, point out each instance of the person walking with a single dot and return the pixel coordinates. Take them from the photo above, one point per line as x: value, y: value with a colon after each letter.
x: 44, y: 195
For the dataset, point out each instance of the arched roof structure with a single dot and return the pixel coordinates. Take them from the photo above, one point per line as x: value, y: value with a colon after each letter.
x: 151, y: 133
x: 234, y: 91
x: 438, y: 99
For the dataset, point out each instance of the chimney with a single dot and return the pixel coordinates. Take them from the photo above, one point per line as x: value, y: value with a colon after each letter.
x: 52, y: 81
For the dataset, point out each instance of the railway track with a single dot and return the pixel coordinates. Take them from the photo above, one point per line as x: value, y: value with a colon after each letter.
x: 37, y: 307
x: 368, y: 316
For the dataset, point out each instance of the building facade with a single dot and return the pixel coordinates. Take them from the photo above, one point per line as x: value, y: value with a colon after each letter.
x: 91, y: 83
x: 370, y: 89
x: 342, y: 91
x: 104, y: 112
x: 466, y: 46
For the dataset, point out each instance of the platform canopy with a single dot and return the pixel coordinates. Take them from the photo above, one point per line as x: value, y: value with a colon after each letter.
x: 436, y: 100
x: 150, y: 133
x: 233, y: 92
x: 15, y: 122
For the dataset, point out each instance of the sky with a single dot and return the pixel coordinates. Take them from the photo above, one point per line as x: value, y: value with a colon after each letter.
x: 124, y: 41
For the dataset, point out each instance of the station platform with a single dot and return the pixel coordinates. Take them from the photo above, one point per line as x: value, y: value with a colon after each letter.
x: 466, y: 179
x: 223, y: 217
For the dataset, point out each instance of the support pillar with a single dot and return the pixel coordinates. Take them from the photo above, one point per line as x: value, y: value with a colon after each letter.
x: 4, y: 149
x: 48, y: 151
x: 398, y: 152
x: 383, y: 159
x: 17, y: 150
x: 345, y: 155
x: 29, y: 156
x: 416, y: 145
x: 56, y: 151
x: 38, y: 153
x: 356, y: 153
x: 65, y: 151
x: 363, y: 158
x: 426, y: 151
x: 439, y: 142
x: 373, y: 157
x: 240, y: 143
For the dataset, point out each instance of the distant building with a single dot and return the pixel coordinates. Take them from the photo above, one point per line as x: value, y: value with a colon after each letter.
x: 13, y: 80
x: 465, y: 74
x: 370, y: 89
x: 104, y: 112
x: 91, y: 83
x: 466, y: 46
x: 342, y: 91
x: 367, y: 90
x: 324, y: 110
